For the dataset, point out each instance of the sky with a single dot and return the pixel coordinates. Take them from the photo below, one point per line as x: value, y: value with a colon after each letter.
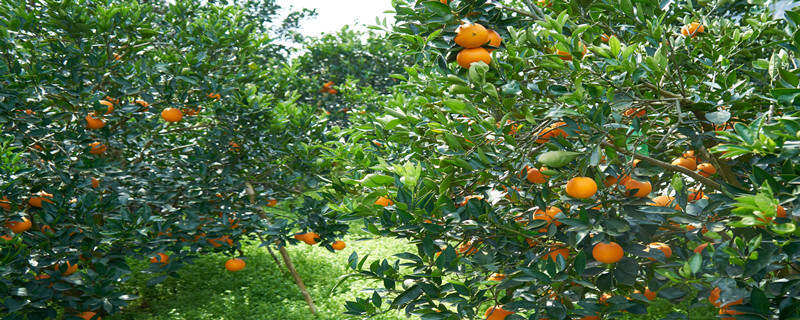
x: 332, y: 15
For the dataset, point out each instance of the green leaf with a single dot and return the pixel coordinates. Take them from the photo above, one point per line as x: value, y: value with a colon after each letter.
x: 373, y: 180
x: 557, y: 159
x: 695, y: 262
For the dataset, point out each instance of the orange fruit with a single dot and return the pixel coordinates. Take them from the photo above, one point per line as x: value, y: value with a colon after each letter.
x: 780, y: 212
x: 610, y: 181
x: 688, y: 163
x: 650, y: 295
x: 109, y: 104
x: 234, y: 265
x: 160, y: 258
x: 730, y: 312
x: 142, y: 103
x: 607, y: 252
x: 692, y: 29
x: 5, y: 203
x: 218, y: 242
x: 384, y: 201
x: 171, y: 115
x: 37, y: 198
x: 689, y: 154
x: 471, y: 35
x: 550, y: 132
x: 494, y: 39
x: 660, y: 246
x: 604, y: 38
x: 497, y: 277
x: 338, y: 245
x: 496, y: 313
x: 664, y: 201
x: 701, y: 247
x: 42, y: 276
x: 695, y: 195
x: 581, y: 187
x: 590, y: 318
x: 635, y: 112
x: 95, y: 183
x: 557, y: 250
x: 6, y: 237
x: 19, y: 226
x: 272, y: 202
x: 94, y: 123
x: 97, y: 148
x: 46, y: 229
x: 706, y: 169
x: 310, y: 238
x: 235, y: 146
x: 466, y: 57
x: 567, y: 56
x: 548, y: 215
x: 544, y: 3
x: 536, y: 176
x: 642, y: 189
x: 467, y: 248
x: 71, y: 268
x: 88, y: 315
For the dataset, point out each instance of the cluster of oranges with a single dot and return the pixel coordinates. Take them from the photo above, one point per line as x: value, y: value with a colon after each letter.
x: 311, y: 238
x: 327, y: 88
x: 472, y: 38
x: 689, y: 161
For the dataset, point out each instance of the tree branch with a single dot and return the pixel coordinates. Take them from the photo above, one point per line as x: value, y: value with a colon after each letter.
x: 706, y: 181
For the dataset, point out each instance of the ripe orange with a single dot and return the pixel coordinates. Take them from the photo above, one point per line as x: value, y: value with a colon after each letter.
x: 706, y: 169
x: 234, y: 264
x: 610, y: 181
x: 497, y: 277
x: 780, y: 212
x: 109, y: 104
x: 664, y: 201
x: 635, y: 112
x: 730, y: 312
x: 604, y: 38
x: 607, y: 252
x: 6, y: 237
x: 338, y: 245
x: 467, y: 248
x: 567, y: 56
x: 19, y: 226
x: 471, y: 35
x: 650, y: 295
x: 160, y: 258
x: 95, y: 183
x: 97, y: 148
x: 235, y: 147
x: 701, y: 247
x: 218, y: 242
x: 544, y: 3
x: 272, y: 202
x: 5, y: 203
x: 642, y: 189
x: 548, y: 215
x: 590, y: 318
x: 94, y: 123
x: 689, y: 154
x: 660, y: 246
x: 466, y: 57
x: 536, y: 176
x: 557, y: 250
x: 310, y: 238
x: 581, y: 187
x: 494, y: 39
x: 142, y: 103
x: 71, y: 268
x: 46, y: 229
x: 695, y: 195
x: 550, y: 132
x: 89, y: 315
x: 384, y: 201
x: 496, y: 313
x: 171, y: 115
x: 688, y: 163
x: 36, y: 200
x: 692, y: 29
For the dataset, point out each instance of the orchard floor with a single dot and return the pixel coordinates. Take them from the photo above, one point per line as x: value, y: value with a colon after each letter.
x: 205, y: 290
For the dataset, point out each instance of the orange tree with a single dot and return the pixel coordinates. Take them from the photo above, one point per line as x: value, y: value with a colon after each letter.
x: 578, y: 159
x: 144, y: 131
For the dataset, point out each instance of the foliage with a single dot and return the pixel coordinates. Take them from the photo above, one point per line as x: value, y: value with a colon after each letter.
x: 454, y: 161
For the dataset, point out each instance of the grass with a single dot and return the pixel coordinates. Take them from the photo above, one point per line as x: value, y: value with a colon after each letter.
x: 204, y: 290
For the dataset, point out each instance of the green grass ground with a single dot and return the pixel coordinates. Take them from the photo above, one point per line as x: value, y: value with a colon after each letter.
x: 205, y: 290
